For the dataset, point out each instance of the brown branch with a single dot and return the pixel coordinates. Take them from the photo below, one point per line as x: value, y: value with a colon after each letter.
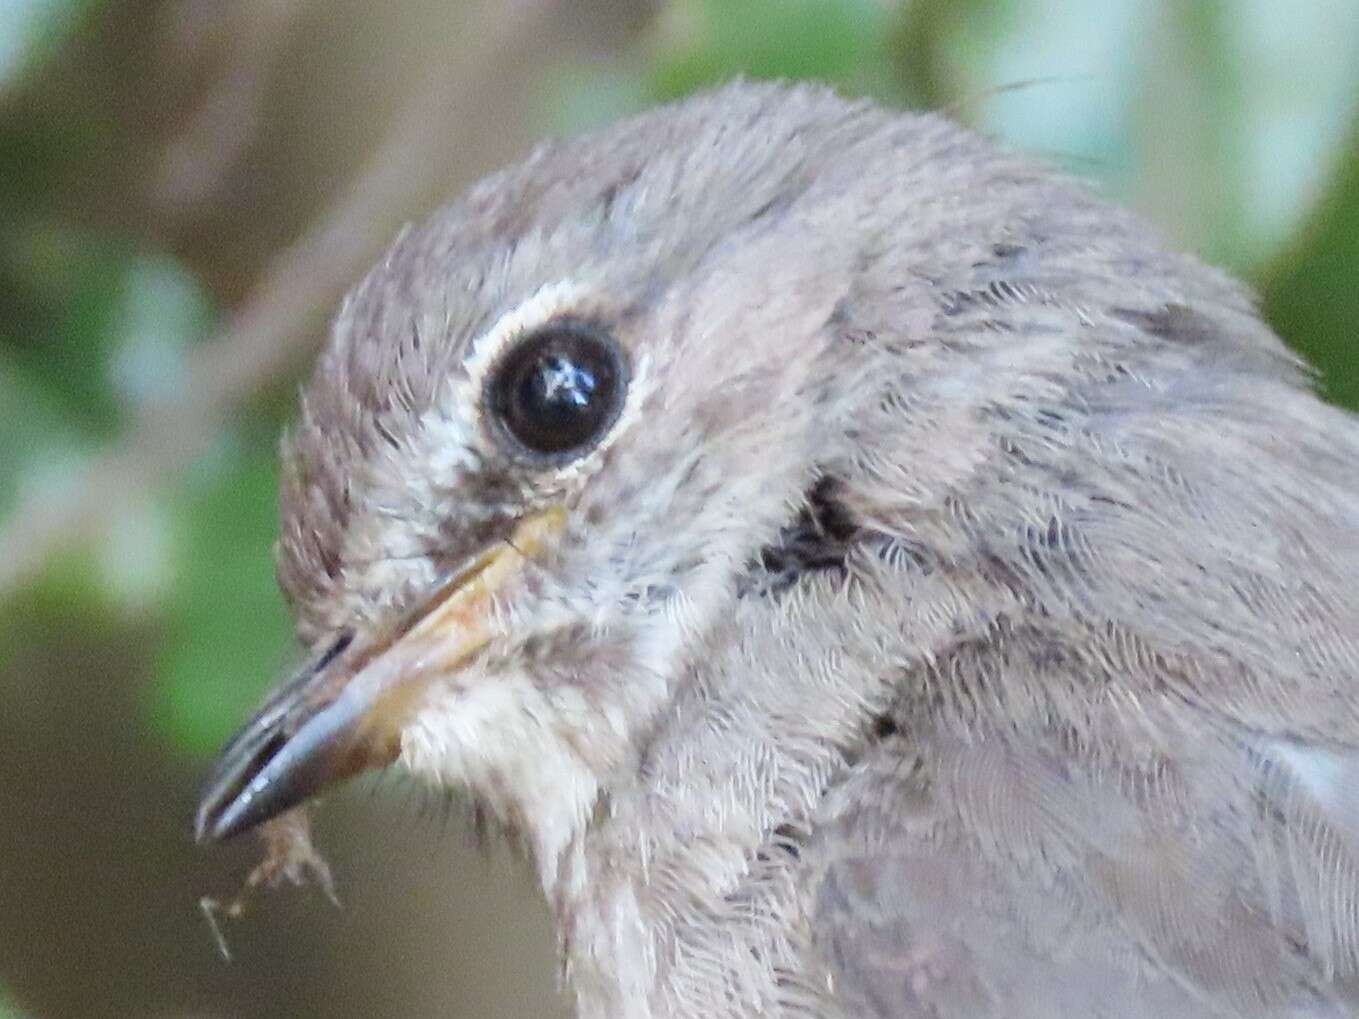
x: 276, y: 327
x: 195, y: 163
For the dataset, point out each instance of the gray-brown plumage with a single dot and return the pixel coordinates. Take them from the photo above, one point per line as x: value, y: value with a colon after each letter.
x: 955, y: 616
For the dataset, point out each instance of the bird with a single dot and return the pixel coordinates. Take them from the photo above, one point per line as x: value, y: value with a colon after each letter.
x: 864, y: 572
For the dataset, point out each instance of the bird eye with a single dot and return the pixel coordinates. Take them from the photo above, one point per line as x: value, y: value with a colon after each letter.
x: 559, y: 390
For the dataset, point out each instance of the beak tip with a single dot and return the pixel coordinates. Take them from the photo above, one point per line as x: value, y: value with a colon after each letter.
x: 206, y: 830
x: 207, y: 821
x: 236, y: 799
x: 222, y: 817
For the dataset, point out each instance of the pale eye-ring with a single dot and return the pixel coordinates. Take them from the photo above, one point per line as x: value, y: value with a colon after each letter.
x: 557, y: 391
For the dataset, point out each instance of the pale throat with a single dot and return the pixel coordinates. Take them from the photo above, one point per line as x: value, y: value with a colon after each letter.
x: 497, y: 738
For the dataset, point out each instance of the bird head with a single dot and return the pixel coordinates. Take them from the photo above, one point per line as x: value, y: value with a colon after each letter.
x: 551, y: 432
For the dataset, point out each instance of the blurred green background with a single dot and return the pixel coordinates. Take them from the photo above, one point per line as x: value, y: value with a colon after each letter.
x: 186, y: 187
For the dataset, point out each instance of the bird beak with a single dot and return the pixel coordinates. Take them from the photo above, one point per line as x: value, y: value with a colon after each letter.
x: 343, y: 713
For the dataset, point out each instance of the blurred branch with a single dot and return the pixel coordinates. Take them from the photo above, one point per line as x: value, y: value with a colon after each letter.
x: 275, y: 328
x: 196, y: 162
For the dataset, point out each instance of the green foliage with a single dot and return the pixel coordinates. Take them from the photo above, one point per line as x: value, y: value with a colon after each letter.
x: 227, y: 632
x: 61, y: 292
x: 41, y: 440
x: 714, y: 40
x: 31, y: 30
x: 9, y: 1010
x: 1312, y: 295
x: 90, y: 331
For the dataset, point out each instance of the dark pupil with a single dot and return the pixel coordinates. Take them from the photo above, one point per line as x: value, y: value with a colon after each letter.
x: 559, y: 392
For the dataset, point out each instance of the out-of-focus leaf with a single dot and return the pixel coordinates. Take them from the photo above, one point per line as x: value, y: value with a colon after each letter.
x: 1221, y: 119
x: 227, y: 631
x: 700, y: 43
x: 41, y: 157
x: 1062, y: 85
x: 162, y: 310
x: 1299, y: 82
x: 8, y: 1009
x: 90, y: 333
x: 61, y: 292
x: 1312, y: 295
x: 30, y: 30
x: 925, y: 44
x: 580, y: 98
x: 41, y: 447
x: 707, y: 41
x: 1059, y: 83
x: 135, y: 560
x: 103, y: 327
x: 1185, y: 133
